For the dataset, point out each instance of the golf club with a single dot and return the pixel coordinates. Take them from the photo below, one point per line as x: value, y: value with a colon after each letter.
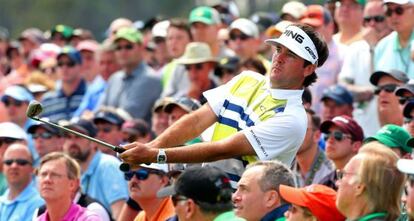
x: 35, y: 108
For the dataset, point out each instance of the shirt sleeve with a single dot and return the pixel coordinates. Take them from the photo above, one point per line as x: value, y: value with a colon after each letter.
x: 279, y: 137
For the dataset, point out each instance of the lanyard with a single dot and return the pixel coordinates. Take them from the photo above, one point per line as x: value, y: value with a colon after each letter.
x: 315, y: 168
x: 371, y: 216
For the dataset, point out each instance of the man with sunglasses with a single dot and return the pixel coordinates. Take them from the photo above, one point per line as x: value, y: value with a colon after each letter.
x: 108, y: 123
x: 61, y: 103
x: 386, y: 82
x: 245, y: 41
x: 129, y: 87
x: 343, y: 137
x: 394, y: 51
x: 101, y: 178
x: 47, y: 139
x: 22, y: 197
x: 143, y: 185
x: 255, y: 117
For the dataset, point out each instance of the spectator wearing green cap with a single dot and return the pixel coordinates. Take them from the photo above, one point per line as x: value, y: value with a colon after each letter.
x: 394, y: 137
x: 128, y: 88
x: 205, y: 24
x: 61, y: 34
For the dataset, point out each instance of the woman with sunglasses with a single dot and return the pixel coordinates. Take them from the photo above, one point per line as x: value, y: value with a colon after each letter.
x: 314, y: 203
x: 143, y: 185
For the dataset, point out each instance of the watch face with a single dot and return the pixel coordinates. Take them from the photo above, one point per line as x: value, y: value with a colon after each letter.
x: 161, y: 158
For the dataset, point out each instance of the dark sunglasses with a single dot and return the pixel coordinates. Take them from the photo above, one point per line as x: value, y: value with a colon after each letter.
x: 403, y: 100
x: 198, y: 66
x: 105, y: 129
x: 9, y: 102
x: 126, y: 47
x: 141, y: 174
x: 398, y: 10
x: 44, y: 135
x: 390, y: 88
x: 337, y: 135
x: 241, y: 36
x: 376, y: 18
x: 69, y: 64
x: 7, y: 140
x: 177, y: 198
x: 20, y: 162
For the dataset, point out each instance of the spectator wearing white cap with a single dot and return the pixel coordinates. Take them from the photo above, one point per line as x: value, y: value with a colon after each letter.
x: 400, y: 16
x: 245, y: 41
x: 161, y: 55
x: 292, y: 11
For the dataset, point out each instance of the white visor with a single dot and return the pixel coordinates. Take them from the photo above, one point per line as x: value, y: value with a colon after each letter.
x: 298, y: 42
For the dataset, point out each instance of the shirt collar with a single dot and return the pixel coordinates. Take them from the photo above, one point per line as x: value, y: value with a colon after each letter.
x: 284, y: 94
x: 276, y: 213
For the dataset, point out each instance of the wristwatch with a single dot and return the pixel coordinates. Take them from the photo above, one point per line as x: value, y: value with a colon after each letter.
x: 161, y: 156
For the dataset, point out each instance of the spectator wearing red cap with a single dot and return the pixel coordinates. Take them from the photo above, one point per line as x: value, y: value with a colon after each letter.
x: 314, y: 202
x: 343, y: 137
x: 370, y: 185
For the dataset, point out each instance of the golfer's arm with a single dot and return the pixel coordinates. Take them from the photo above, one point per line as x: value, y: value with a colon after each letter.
x: 234, y: 146
x: 186, y: 128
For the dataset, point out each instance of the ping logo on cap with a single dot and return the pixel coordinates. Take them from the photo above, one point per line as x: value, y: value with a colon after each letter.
x: 296, y: 36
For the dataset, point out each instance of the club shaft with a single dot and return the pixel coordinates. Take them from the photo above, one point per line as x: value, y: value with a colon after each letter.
x: 112, y: 147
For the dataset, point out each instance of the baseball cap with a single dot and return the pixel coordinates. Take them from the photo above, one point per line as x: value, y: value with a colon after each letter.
x: 130, y: 34
x: 32, y: 34
x: 87, y: 45
x: 72, y: 53
x: 160, y: 29
x: 12, y: 130
x: 205, y: 14
x: 405, y: 88
x: 156, y: 166
x: 196, y: 52
x: 293, y: 8
x: 160, y: 103
x: 398, y: 75
x: 37, y: 124
x: 18, y: 93
x: 202, y: 184
x: 339, y: 94
x: 399, y: 2
x: 135, y: 127
x: 393, y: 136
x: 406, y: 166
x: 278, y: 28
x: 346, y: 124
x: 84, y: 126
x: 316, y: 16
x: 246, y: 26
x: 108, y: 116
x: 231, y: 63
x: 65, y: 30
x: 186, y: 103
x: 264, y: 20
x: 296, y: 40
x: 319, y: 199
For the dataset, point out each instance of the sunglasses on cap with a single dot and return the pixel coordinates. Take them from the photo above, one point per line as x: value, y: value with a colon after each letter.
x: 7, y: 140
x: 242, y: 37
x: 44, y: 135
x: 390, y: 88
x: 124, y: 47
x: 12, y: 102
x: 337, y: 135
x: 198, y: 66
x: 69, y: 64
x: 141, y: 174
x: 20, y: 162
x: 376, y: 18
x: 399, y: 10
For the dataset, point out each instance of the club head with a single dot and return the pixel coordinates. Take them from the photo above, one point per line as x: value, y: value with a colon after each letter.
x: 34, y: 109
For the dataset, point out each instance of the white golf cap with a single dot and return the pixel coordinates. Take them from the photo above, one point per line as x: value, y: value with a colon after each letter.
x: 406, y: 166
x: 246, y: 26
x: 296, y: 40
x: 156, y: 166
x: 12, y: 130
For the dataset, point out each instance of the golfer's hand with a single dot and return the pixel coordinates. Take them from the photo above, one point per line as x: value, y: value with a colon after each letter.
x: 137, y: 153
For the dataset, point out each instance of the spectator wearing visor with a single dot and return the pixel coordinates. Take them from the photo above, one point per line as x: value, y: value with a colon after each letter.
x: 201, y: 193
x: 343, y: 137
x: 108, y: 123
x: 396, y: 138
x: 386, y: 82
